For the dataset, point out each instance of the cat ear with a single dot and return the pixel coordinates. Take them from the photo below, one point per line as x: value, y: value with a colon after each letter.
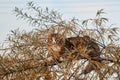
x: 86, y: 38
x: 50, y: 34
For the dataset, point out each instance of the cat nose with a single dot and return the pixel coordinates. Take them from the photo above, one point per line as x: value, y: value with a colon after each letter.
x: 53, y: 40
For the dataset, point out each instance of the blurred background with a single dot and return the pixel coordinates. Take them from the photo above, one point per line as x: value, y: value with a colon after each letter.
x: 80, y: 9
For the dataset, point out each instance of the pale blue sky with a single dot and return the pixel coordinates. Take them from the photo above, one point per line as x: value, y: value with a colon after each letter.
x: 81, y: 9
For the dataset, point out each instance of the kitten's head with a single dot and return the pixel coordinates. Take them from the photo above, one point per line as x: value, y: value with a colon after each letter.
x: 55, y: 42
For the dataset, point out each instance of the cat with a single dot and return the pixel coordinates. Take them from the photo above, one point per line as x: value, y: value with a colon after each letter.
x: 76, y: 46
